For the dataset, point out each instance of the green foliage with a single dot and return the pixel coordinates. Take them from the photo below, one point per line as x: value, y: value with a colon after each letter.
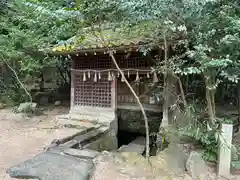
x: 25, y: 28
x: 192, y: 125
x: 236, y: 164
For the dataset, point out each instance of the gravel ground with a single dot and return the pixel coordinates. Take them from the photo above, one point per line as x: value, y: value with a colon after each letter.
x: 22, y: 138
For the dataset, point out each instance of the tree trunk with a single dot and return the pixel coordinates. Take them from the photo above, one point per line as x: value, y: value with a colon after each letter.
x: 165, y: 119
x: 138, y: 101
x: 210, y: 97
x: 19, y: 81
x: 212, y: 92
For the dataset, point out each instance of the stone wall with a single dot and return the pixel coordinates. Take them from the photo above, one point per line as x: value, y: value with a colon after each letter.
x: 108, y: 141
x: 133, y: 121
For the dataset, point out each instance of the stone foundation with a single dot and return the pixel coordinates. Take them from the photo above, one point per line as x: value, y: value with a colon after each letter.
x: 133, y: 121
x: 108, y: 141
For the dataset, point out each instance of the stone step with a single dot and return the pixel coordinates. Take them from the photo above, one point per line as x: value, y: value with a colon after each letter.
x: 89, y: 136
x: 73, y: 121
x: 137, y: 145
x: 78, y: 141
x: 69, y: 144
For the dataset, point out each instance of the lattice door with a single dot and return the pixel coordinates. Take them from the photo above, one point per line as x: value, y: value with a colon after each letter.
x: 92, y: 94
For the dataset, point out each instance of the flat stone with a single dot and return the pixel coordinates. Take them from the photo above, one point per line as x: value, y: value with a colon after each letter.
x: 137, y: 145
x: 82, y: 153
x: 51, y: 166
x: 57, y: 103
x: 69, y: 144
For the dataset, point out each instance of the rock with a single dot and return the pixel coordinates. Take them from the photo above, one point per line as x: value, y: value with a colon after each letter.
x: 128, y: 166
x: 109, y: 166
x: 51, y: 166
x: 57, y: 103
x: 172, y: 158
x: 185, y: 148
x: 195, y: 165
x: 26, y: 107
x: 2, y: 105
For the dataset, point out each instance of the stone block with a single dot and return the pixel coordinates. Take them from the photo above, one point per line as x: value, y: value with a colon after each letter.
x: 225, y: 148
x: 52, y: 166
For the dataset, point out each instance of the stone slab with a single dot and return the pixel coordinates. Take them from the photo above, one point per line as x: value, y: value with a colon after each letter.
x: 87, y: 137
x: 81, y: 153
x: 137, y: 145
x: 51, y: 166
x: 69, y: 144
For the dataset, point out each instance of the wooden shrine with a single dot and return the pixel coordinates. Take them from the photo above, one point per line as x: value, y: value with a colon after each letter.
x: 98, y: 90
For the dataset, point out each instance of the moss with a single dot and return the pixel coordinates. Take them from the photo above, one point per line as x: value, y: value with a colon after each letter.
x: 90, y: 40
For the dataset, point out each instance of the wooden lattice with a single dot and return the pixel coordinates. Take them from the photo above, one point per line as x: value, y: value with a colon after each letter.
x: 131, y: 61
x: 93, y: 62
x: 105, y: 62
x: 124, y: 95
x: 98, y: 94
x: 93, y: 94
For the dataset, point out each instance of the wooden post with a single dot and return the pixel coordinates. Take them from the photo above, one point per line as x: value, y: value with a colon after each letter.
x: 238, y: 104
x: 114, y: 123
x: 72, y: 88
x: 225, y: 146
x: 72, y: 85
x: 114, y: 94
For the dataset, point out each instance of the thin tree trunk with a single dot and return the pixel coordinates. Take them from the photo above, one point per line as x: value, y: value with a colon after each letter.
x: 209, y: 105
x: 186, y: 84
x: 138, y: 101
x: 21, y: 84
x: 165, y: 119
x: 212, y: 92
x: 182, y: 92
x: 134, y: 94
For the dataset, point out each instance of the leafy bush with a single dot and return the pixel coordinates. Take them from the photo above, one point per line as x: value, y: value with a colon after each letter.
x: 192, y: 125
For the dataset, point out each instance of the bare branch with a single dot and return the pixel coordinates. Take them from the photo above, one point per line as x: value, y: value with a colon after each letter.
x: 138, y: 101
x: 19, y: 81
x: 111, y: 54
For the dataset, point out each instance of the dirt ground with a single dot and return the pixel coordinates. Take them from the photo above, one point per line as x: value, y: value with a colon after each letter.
x: 22, y: 138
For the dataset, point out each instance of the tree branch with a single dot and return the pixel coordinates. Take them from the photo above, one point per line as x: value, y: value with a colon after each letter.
x: 19, y: 81
x: 138, y: 101
x: 111, y: 54
x: 165, y: 119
